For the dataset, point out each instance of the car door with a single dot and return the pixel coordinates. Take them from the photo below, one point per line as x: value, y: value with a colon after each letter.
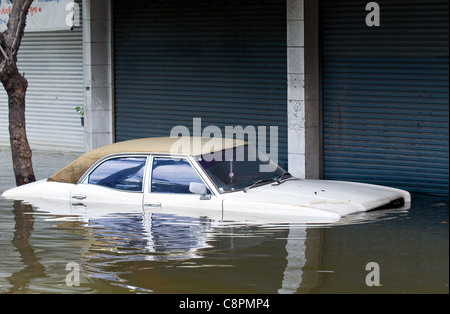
x: 175, y: 186
x: 114, y: 184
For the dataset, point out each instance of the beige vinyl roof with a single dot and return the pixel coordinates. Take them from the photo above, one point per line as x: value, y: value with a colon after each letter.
x: 193, y: 146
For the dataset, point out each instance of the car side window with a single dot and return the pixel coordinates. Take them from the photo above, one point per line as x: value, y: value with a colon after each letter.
x: 123, y: 173
x: 173, y: 175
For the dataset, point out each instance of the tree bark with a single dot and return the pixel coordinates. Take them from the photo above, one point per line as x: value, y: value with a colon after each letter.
x: 16, y: 86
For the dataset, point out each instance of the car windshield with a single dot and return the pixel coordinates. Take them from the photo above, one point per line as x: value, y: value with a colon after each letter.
x: 241, y: 168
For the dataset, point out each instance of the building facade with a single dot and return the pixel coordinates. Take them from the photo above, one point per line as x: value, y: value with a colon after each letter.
x: 52, y: 62
x: 358, y: 90
x: 160, y: 64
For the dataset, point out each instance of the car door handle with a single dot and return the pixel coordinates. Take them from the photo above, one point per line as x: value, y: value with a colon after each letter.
x: 79, y: 197
x: 152, y: 205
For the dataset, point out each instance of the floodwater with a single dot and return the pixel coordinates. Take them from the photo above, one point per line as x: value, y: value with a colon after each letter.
x: 385, y: 252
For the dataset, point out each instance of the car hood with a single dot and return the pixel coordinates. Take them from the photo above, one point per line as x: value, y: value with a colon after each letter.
x: 338, y: 197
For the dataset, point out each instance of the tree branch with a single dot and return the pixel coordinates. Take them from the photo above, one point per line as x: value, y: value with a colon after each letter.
x: 12, y: 37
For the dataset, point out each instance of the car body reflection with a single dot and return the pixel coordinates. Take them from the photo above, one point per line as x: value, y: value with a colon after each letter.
x: 113, y: 237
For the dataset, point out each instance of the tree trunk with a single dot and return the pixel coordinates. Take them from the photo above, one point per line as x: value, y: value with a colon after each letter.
x: 16, y: 86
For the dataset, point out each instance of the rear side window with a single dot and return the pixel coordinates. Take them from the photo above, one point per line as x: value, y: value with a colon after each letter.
x: 122, y: 173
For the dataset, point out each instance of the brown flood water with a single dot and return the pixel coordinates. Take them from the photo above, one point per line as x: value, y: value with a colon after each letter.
x: 384, y: 252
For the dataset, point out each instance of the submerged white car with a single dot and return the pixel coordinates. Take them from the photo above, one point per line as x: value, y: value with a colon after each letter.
x: 215, y: 179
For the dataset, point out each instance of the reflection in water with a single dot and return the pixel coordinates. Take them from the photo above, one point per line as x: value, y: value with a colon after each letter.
x: 144, y: 252
x: 175, y: 236
x: 296, y: 260
x: 23, y: 227
x: 102, y: 243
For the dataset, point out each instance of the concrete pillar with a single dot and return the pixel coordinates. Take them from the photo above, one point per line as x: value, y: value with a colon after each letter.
x: 97, y: 56
x: 313, y: 121
x: 303, y: 97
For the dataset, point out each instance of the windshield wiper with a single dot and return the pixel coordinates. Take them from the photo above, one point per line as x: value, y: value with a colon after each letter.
x: 279, y: 179
x: 258, y: 182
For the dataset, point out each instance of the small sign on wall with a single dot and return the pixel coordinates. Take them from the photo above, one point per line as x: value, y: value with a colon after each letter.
x: 45, y: 15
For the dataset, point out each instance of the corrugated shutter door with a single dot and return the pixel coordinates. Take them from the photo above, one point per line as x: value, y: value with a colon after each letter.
x: 386, y: 94
x: 53, y: 65
x: 221, y: 61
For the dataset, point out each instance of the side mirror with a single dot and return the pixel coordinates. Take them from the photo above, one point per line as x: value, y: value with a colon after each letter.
x: 197, y: 188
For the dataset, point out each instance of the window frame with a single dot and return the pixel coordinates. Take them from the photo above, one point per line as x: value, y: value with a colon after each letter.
x: 85, y: 178
x: 194, y: 165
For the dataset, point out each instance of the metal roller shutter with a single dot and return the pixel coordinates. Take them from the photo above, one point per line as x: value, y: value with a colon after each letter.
x: 53, y: 65
x: 386, y: 94
x: 221, y: 61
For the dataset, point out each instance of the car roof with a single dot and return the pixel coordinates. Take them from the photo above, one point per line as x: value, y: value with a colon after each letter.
x: 192, y: 146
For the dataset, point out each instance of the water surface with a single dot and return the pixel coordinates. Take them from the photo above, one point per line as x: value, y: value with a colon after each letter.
x: 138, y: 252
